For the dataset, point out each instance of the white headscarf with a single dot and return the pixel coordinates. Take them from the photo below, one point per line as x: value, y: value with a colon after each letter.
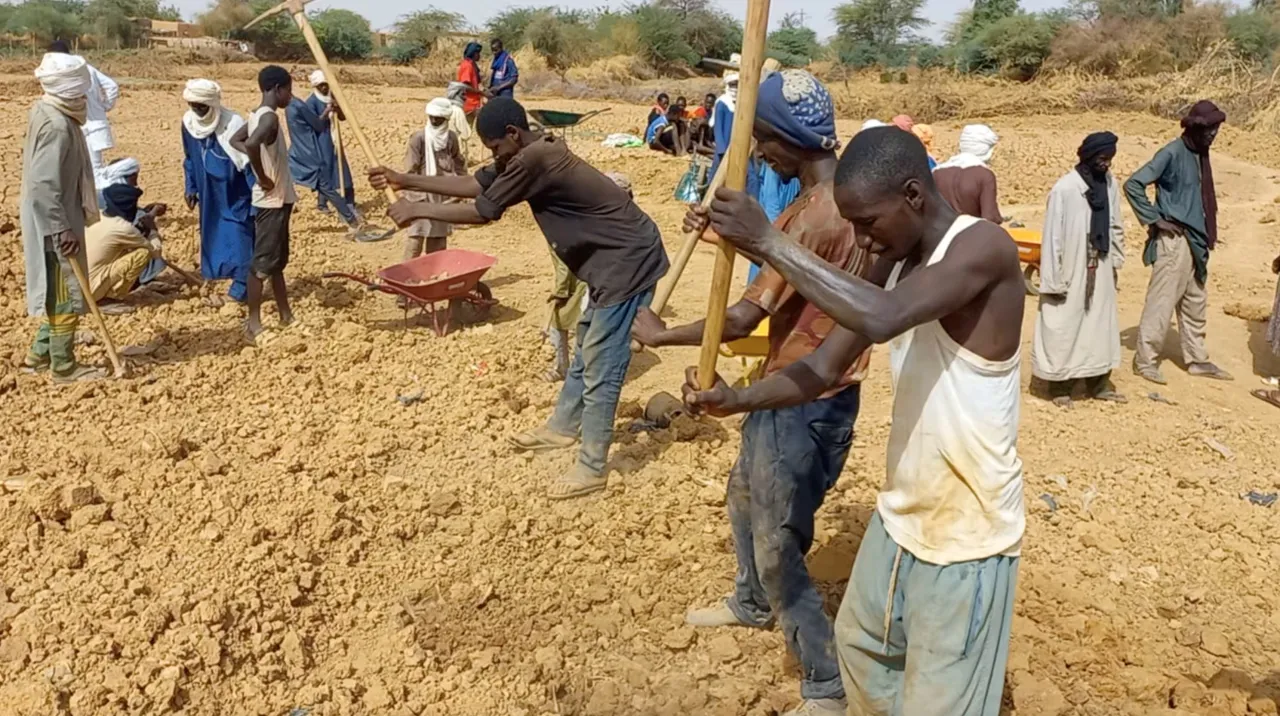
x: 872, y: 124
x: 317, y: 78
x: 116, y: 172
x: 437, y: 138
x: 730, y: 97
x: 220, y: 120
x: 977, y: 144
x: 65, y: 80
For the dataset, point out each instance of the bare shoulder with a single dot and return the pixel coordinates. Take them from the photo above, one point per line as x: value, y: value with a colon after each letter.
x: 990, y: 244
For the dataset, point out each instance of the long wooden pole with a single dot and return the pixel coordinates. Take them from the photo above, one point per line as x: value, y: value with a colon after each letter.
x: 739, y: 155
x: 348, y: 109
x: 86, y: 290
x: 338, y: 154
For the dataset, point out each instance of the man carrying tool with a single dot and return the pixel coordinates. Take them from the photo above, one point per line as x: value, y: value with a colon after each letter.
x: 924, y: 626
x: 791, y: 456
x: 58, y: 202
x: 601, y: 235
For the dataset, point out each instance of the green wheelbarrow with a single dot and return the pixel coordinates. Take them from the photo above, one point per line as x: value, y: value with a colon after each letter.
x: 553, y: 119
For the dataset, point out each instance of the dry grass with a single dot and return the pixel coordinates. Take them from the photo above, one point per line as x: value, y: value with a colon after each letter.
x: 1250, y: 98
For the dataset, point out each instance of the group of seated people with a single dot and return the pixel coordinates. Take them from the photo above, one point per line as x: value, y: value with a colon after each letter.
x: 678, y: 129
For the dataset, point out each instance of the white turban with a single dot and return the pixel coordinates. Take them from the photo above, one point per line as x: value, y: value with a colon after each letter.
x: 205, y: 92
x: 64, y: 77
x: 872, y: 124
x: 221, y: 121
x: 317, y: 78
x: 117, y: 171
x: 978, y: 140
x: 440, y: 107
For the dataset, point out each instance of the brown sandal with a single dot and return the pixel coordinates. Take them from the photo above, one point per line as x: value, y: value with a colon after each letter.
x: 1267, y: 396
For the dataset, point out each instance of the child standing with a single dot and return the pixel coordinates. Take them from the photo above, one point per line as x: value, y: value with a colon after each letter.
x: 273, y: 196
x: 433, y: 151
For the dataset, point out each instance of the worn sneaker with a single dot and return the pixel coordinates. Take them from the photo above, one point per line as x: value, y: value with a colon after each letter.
x: 367, y: 234
x: 718, y: 616
x: 819, y: 707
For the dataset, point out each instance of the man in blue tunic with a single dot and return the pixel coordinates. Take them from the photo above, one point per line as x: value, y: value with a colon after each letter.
x: 220, y: 183
x: 313, y: 160
x: 505, y: 74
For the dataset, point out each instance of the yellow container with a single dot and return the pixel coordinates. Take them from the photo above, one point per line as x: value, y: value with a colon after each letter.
x: 756, y: 344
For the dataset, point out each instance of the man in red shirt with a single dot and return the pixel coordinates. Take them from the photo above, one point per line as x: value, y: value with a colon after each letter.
x: 469, y: 75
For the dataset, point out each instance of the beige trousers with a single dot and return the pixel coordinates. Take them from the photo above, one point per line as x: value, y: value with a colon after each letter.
x: 117, y: 279
x: 1173, y: 287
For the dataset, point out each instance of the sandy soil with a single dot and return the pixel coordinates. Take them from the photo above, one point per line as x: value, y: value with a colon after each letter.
x: 242, y: 530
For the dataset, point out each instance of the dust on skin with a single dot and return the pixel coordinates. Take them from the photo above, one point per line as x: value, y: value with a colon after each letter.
x: 241, y: 530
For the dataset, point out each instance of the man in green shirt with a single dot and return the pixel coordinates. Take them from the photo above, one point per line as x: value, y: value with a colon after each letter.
x: 1182, y: 229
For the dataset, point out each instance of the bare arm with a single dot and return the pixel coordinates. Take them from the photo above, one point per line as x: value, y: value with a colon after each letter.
x: 799, y: 383
x: 457, y: 186
x: 740, y: 320
x: 928, y: 293
x: 406, y: 212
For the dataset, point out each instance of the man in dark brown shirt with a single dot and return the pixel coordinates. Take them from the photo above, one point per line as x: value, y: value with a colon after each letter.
x: 965, y: 180
x: 596, y: 229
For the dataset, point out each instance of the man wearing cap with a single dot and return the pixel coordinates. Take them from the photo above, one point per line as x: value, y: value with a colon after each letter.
x: 1182, y: 228
x: 1078, y: 330
x: 966, y: 180
x: 790, y: 457
x: 313, y: 160
x: 58, y: 202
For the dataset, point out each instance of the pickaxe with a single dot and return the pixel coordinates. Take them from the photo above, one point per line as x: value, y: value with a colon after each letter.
x: 296, y: 8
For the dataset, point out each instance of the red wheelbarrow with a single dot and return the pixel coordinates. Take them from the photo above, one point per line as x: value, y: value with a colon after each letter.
x: 451, y: 276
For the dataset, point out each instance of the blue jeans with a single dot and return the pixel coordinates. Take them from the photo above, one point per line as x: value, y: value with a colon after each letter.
x: 789, y: 459
x: 947, y: 643
x: 589, y: 398
x: 343, y: 204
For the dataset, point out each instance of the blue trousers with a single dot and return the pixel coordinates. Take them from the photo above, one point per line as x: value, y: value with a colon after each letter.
x: 789, y: 459
x: 589, y: 399
x: 921, y: 639
x: 343, y: 203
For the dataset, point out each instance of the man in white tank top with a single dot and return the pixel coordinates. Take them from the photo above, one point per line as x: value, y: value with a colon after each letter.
x: 273, y: 195
x: 924, y: 626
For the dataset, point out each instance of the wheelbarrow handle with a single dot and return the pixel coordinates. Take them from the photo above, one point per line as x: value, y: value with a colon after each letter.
x: 368, y: 285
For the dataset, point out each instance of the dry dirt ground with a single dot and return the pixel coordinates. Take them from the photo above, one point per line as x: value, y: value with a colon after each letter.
x: 242, y: 530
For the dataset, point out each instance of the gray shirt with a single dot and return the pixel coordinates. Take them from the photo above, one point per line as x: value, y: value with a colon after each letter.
x: 57, y: 195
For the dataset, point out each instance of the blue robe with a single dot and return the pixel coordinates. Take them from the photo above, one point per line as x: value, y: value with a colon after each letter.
x: 312, y: 158
x: 226, y: 203
x: 723, y: 127
x: 502, y: 70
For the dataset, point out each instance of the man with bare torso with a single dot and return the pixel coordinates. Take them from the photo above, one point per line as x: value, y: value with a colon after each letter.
x: 924, y: 626
x: 966, y: 181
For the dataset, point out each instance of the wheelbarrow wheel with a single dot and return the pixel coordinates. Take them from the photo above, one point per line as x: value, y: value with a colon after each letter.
x: 1031, y: 275
x: 475, y: 307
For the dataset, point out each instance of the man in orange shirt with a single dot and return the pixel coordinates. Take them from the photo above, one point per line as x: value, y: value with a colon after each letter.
x: 469, y: 76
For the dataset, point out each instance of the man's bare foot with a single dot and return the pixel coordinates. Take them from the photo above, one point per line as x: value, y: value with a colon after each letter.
x: 577, y: 482
x: 1064, y: 402
x: 252, y: 329
x: 541, y: 440
x: 1110, y: 396
x: 286, y: 319
x: 1150, y: 374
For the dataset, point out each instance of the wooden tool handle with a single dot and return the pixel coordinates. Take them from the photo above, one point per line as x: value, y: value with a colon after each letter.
x: 348, y: 109
x: 739, y: 155
x: 338, y: 155
x: 86, y: 290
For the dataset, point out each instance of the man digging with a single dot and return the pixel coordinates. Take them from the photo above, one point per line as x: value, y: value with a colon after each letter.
x: 924, y: 626
x: 600, y: 234
x: 790, y: 456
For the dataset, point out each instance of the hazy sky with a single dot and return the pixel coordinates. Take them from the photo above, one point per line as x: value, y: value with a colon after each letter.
x: 818, y: 12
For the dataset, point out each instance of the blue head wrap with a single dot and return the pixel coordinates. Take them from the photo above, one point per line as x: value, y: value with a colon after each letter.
x: 121, y: 201
x: 796, y: 104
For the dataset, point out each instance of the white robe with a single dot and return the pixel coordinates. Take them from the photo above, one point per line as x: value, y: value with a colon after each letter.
x: 1070, y: 342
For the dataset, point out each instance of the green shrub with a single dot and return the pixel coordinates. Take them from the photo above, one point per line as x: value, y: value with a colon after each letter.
x: 1254, y: 34
x: 343, y: 34
x: 422, y: 30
